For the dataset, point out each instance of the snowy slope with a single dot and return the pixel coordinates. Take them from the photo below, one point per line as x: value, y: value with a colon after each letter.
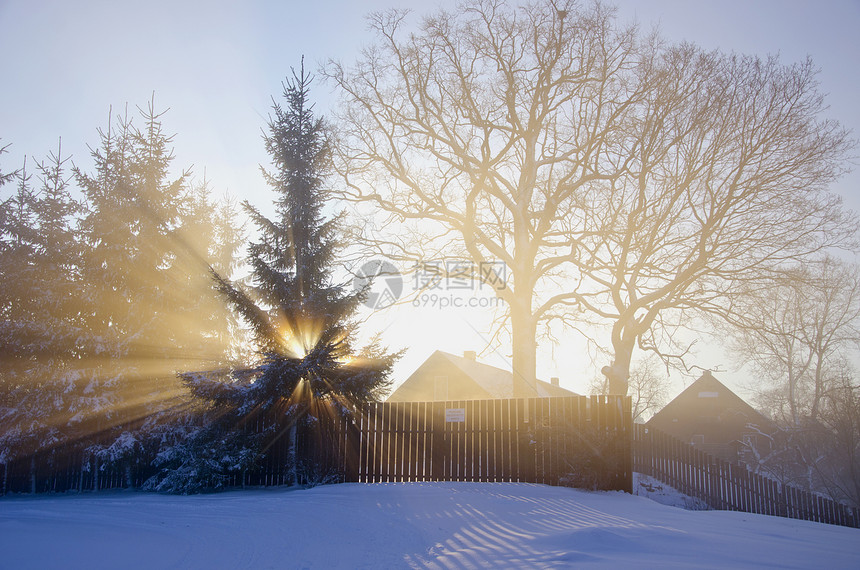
x: 432, y: 525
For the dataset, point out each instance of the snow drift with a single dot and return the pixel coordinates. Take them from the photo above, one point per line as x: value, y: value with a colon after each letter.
x: 404, y: 525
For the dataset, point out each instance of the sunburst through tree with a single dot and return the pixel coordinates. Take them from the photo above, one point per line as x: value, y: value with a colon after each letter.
x: 299, y: 318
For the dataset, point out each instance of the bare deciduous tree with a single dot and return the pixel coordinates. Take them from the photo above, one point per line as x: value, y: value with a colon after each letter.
x: 726, y: 181
x: 478, y: 133
x: 798, y: 336
x: 821, y: 455
x: 620, y: 181
x: 840, y: 472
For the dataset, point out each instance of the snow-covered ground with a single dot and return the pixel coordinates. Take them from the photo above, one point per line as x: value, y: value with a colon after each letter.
x: 403, y: 525
x: 656, y: 490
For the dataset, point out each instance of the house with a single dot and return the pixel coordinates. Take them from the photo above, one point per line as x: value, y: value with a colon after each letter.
x: 716, y: 420
x: 445, y: 377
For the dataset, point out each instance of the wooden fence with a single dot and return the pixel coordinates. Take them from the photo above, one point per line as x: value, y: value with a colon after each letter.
x: 726, y: 486
x: 60, y: 470
x: 576, y: 441
x: 586, y: 442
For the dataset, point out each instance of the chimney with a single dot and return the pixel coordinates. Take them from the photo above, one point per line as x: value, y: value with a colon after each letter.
x: 554, y: 380
x: 470, y: 355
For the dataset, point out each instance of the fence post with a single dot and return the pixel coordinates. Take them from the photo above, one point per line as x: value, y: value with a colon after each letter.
x: 626, y: 409
x: 783, y: 500
x: 714, y: 483
x: 528, y: 450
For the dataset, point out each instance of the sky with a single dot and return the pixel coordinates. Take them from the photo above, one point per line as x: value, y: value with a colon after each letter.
x: 216, y: 65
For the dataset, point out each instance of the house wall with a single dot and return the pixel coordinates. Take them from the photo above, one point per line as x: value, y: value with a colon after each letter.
x: 712, y: 418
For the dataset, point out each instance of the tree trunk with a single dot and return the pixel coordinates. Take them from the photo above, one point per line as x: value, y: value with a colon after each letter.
x: 792, y: 395
x: 523, y: 331
x: 33, y: 474
x: 292, y: 457
x: 619, y: 372
x: 819, y: 386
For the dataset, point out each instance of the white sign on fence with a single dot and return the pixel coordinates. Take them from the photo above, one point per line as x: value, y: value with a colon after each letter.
x: 455, y: 415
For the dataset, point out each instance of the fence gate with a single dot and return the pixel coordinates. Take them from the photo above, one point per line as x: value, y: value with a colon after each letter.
x: 578, y: 441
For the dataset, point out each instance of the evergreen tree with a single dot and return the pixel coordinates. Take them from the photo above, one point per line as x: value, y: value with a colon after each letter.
x: 131, y: 212
x: 104, y: 301
x: 8, y: 376
x: 40, y: 332
x: 150, y: 304
x: 7, y: 177
x: 307, y: 366
x: 300, y: 319
x: 212, y: 237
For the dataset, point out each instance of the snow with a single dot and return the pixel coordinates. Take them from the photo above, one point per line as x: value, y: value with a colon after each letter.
x: 656, y: 490
x: 403, y: 525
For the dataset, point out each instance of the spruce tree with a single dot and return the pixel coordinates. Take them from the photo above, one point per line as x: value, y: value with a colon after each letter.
x: 299, y: 317
x: 127, y: 231
x: 39, y: 331
x: 150, y: 301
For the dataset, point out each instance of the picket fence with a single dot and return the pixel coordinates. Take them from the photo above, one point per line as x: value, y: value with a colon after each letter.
x: 577, y: 441
x: 727, y: 486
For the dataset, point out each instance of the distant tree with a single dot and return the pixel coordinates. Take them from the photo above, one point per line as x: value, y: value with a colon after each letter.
x: 797, y: 334
x: 838, y: 468
x: 799, y: 337
x: 299, y: 318
x: 820, y: 455
x: 624, y: 182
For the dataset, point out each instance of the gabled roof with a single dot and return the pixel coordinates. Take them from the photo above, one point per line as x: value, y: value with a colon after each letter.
x: 707, y: 396
x: 496, y: 382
